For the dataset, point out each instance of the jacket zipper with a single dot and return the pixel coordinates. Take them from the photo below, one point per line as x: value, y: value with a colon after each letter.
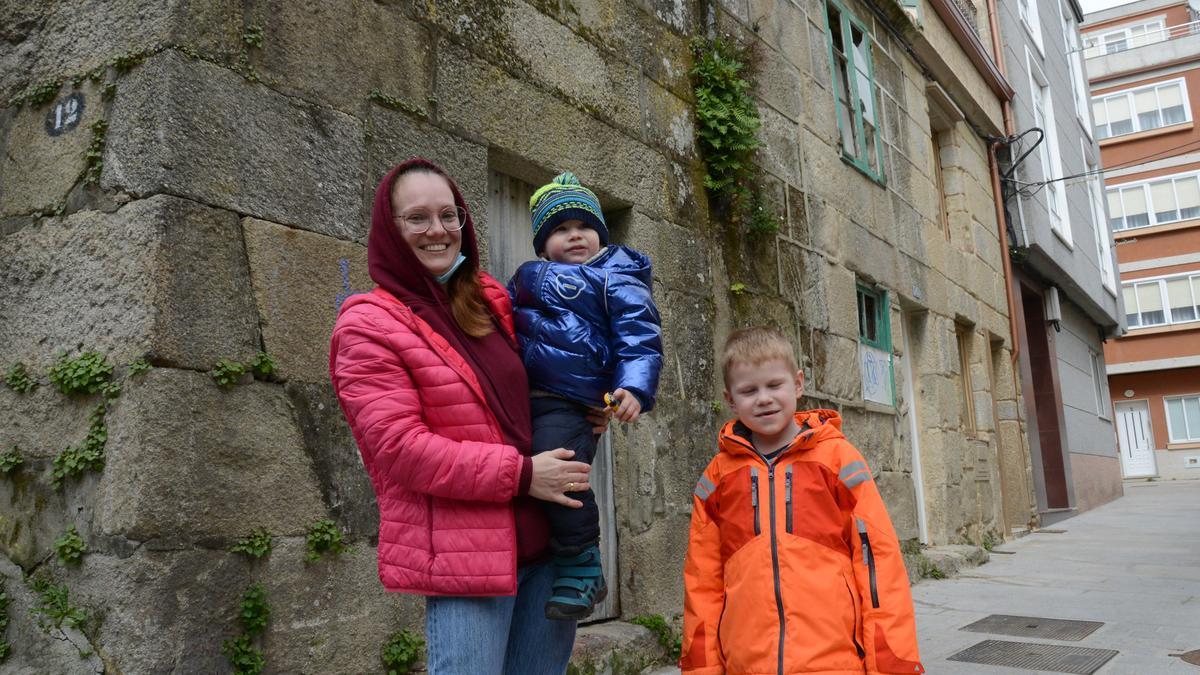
x: 754, y: 499
x: 787, y: 496
x: 775, y: 561
x: 869, y: 559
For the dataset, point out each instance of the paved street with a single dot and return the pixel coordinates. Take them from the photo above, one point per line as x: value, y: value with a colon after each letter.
x: 1133, y: 564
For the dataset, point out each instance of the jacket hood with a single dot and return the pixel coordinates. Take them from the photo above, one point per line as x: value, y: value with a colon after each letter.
x: 392, y: 262
x: 816, y: 425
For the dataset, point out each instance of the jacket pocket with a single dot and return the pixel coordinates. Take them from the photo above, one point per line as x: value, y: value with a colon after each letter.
x: 869, y: 560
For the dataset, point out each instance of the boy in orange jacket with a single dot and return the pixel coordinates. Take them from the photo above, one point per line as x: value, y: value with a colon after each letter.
x: 792, y: 562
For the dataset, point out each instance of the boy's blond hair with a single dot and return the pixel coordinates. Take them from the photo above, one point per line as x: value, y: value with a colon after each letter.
x: 754, y: 345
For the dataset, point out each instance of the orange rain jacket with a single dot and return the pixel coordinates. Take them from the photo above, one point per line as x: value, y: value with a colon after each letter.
x: 793, y: 565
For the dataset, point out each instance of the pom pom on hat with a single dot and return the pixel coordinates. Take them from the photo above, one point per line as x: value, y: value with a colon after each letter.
x: 561, y: 200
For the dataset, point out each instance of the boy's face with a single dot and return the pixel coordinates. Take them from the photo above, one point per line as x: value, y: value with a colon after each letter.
x: 763, y: 395
x: 572, y: 242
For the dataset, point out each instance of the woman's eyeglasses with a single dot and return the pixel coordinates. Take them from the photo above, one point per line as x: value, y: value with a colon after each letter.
x: 419, y: 222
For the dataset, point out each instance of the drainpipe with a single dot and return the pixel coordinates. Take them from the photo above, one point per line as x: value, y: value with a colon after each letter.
x: 997, y: 190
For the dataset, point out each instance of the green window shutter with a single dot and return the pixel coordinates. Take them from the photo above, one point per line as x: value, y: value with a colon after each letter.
x: 852, y: 72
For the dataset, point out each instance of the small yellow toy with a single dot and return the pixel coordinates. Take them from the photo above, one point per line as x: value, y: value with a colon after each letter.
x: 611, y: 403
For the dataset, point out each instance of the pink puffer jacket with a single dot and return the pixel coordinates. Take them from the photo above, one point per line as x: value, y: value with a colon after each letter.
x: 442, y: 474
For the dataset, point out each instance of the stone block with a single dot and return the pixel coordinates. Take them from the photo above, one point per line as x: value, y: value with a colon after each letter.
x: 533, y: 125
x: 826, y: 226
x: 779, y: 152
x: 338, y: 53
x: 395, y: 136
x: 188, y: 460
x: 171, y: 610
x: 608, y: 87
x: 652, y: 568
x: 332, y: 615
x: 42, y: 149
x: 820, y: 108
x: 200, y: 131
x: 752, y: 261
x: 688, y: 345
x: 843, y: 301
x: 61, y: 40
x: 36, y: 514
x: 300, y: 280
x: 162, y: 276
x: 843, y: 187
x: 331, y: 447
x: 832, y: 375
x: 779, y: 83
x: 667, y: 120
x: 899, y: 495
x: 615, y: 646
x: 638, y: 36
x: 797, y: 216
x: 783, y: 25
x: 36, y: 651
x: 680, y: 256
x: 802, y: 282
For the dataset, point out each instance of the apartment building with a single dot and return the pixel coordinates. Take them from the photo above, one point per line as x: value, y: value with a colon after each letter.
x: 1143, y: 62
x: 1064, y: 286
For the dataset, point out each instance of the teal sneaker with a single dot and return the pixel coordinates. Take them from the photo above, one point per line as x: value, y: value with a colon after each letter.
x: 578, y: 586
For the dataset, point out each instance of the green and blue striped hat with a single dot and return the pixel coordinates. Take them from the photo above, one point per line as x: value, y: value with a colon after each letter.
x: 561, y: 200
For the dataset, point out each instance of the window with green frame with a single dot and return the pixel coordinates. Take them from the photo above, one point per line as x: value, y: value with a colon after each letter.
x: 873, y: 318
x: 875, y: 346
x: 854, y: 88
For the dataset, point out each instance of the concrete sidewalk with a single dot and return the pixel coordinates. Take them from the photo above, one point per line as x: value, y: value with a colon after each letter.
x: 1133, y: 563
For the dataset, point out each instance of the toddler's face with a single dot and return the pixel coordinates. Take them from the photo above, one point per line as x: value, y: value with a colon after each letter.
x: 763, y: 395
x: 572, y: 242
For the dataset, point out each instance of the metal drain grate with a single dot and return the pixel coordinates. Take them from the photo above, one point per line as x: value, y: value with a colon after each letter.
x: 1034, y: 627
x: 1032, y: 656
x: 1049, y: 531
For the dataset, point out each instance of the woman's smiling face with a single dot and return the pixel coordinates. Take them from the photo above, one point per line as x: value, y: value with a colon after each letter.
x: 420, y: 192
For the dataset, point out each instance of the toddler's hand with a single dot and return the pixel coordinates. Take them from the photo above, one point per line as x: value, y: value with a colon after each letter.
x: 628, y: 406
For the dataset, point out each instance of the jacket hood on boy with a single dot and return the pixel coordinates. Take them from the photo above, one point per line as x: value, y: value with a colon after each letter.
x: 816, y: 425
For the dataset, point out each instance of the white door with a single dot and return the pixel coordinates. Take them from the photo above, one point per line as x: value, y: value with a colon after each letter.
x: 1133, y: 433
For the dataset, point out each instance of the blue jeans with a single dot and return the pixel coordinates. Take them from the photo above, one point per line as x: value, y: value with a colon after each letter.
x: 501, y: 635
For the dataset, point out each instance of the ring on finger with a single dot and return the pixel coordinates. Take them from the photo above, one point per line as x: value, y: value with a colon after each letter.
x: 570, y: 487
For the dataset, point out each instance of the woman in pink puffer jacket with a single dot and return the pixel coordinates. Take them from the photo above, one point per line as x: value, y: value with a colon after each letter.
x: 427, y: 373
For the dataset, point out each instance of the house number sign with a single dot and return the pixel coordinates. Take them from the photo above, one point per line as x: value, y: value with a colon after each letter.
x: 65, y: 115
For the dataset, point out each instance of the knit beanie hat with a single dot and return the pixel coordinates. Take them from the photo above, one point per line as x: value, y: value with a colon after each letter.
x: 561, y: 200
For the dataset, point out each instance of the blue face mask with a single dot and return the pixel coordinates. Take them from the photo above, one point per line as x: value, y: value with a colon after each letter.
x: 444, y: 277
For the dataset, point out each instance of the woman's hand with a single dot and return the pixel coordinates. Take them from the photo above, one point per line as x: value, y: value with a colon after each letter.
x: 554, y: 476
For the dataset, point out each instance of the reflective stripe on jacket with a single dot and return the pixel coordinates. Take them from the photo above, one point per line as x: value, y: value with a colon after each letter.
x: 443, y: 477
x: 793, y: 565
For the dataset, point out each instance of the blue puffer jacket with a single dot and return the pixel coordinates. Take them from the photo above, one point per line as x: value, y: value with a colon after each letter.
x: 591, y: 328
